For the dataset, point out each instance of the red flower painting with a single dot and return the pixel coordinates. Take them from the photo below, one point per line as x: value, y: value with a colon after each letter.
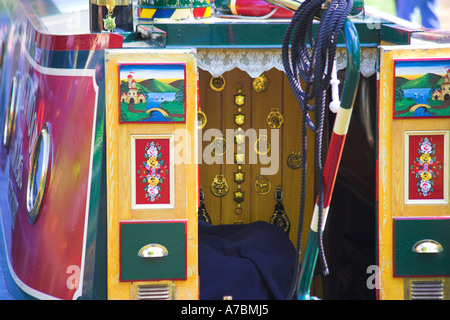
x: 152, y: 171
x: 425, y: 162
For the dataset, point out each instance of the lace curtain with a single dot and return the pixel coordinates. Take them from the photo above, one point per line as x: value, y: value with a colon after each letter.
x: 256, y: 61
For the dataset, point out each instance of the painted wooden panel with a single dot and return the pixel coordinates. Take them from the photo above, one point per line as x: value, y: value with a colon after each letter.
x: 395, y: 161
x: 220, y: 109
x: 139, y: 260
x: 426, y: 155
x: 152, y: 92
x: 123, y: 145
x: 420, y: 235
x: 422, y: 88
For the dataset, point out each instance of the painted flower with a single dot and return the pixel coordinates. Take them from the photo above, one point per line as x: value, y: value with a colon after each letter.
x: 152, y: 152
x: 434, y: 167
x: 152, y: 161
x: 153, y: 191
x: 425, y: 187
x: 153, y: 181
x: 426, y: 147
x: 426, y: 176
x: 425, y: 157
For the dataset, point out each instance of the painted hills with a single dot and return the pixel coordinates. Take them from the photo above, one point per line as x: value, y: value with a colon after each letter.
x: 428, y: 80
x: 154, y: 85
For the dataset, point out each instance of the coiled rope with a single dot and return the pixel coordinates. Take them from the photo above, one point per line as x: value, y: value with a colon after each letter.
x: 314, y: 66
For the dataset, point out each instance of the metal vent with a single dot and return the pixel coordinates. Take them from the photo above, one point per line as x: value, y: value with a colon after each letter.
x: 156, y: 292
x: 427, y: 290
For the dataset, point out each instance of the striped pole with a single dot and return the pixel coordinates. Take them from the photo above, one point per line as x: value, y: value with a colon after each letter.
x: 333, y: 159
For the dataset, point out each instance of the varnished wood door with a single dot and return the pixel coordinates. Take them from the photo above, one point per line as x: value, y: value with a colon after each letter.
x: 220, y: 109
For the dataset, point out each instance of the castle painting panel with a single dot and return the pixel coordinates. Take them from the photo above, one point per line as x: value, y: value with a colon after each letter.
x: 152, y: 92
x: 421, y: 88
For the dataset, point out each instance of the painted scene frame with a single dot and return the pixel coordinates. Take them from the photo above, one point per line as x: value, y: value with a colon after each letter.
x: 426, y: 167
x: 421, y: 88
x: 152, y: 92
x: 152, y: 172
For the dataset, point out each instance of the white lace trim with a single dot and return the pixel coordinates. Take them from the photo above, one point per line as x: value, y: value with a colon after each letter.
x: 256, y: 61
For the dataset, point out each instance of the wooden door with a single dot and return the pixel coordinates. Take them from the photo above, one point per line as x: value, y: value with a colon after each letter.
x: 220, y: 108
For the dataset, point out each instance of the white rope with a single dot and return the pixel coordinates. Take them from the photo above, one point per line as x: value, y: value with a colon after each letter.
x: 335, y: 103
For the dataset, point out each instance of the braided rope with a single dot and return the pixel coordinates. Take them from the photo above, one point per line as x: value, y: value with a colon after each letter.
x: 313, y: 65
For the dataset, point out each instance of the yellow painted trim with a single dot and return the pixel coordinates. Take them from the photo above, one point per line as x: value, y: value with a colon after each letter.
x: 315, y: 219
x: 233, y: 7
x: 342, y: 121
x: 207, y: 12
x: 147, y: 13
x: 389, y: 287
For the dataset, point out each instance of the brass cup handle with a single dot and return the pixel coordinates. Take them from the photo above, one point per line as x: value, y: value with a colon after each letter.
x: 427, y: 246
x: 153, y: 250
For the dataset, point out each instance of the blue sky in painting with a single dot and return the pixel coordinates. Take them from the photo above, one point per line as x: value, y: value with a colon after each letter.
x: 152, y: 71
x: 420, y: 67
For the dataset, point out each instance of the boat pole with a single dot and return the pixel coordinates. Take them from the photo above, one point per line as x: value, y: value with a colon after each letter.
x: 333, y: 159
x: 342, y: 121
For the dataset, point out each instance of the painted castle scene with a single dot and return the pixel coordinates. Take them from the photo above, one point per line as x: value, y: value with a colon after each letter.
x: 154, y: 93
x: 422, y: 88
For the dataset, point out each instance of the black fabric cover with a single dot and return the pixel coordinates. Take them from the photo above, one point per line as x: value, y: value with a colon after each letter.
x: 250, y: 261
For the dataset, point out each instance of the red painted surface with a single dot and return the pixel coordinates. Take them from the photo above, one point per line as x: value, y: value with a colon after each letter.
x: 425, y: 164
x: 259, y: 8
x: 332, y: 166
x: 78, y: 42
x: 42, y: 252
x: 46, y: 256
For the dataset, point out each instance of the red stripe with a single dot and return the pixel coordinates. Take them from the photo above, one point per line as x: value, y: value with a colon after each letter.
x: 331, y: 166
x: 94, y: 41
x: 199, y: 12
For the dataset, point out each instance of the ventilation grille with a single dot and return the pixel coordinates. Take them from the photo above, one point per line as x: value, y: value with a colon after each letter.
x: 156, y: 292
x: 427, y: 290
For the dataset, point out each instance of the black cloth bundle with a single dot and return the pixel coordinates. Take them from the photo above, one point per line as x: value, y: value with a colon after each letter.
x: 248, y: 262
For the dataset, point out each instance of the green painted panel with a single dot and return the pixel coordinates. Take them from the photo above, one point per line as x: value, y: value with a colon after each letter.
x: 239, y: 34
x: 407, y: 232
x: 133, y: 236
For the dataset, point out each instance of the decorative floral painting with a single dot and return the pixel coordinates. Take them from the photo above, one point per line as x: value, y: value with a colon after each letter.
x: 422, y: 88
x: 152, y: 172
x: 426, y: 167
x: 152, y: 92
